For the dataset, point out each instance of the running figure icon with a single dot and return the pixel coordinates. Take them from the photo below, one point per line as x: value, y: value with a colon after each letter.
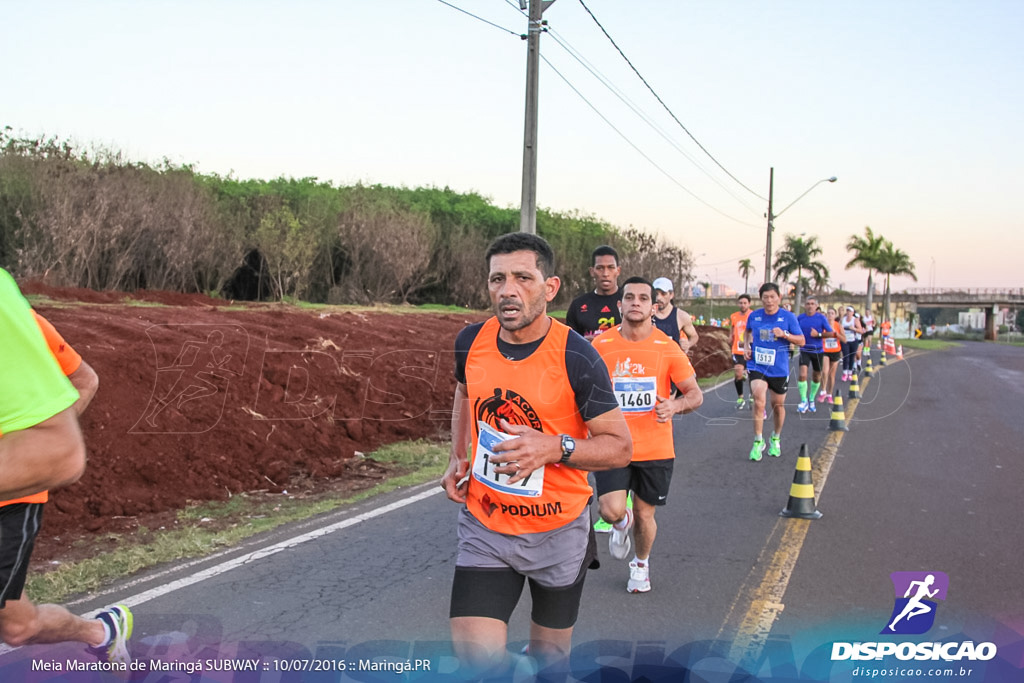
x: 915, y: 606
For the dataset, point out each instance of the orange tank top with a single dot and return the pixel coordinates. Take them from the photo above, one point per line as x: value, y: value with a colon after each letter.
x: 738, y: 320
x: 535, y: 392
x: 832, y: 344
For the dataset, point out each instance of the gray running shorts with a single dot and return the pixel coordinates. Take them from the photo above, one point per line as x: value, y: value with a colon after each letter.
x: 551, y: 558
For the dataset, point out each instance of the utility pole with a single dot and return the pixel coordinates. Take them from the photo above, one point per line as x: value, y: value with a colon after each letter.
x: 528, y: 207
x: 771, y: 218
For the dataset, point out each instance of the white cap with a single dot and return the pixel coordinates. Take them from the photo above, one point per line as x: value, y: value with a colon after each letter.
x: 664, y: 284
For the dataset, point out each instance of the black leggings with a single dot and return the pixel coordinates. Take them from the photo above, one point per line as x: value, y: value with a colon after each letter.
x: 850, y: 354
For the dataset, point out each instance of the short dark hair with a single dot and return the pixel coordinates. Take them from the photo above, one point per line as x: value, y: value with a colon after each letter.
x: 769, y: 286
x: 744, y: 296
x: 604, y: 250
x: 637, y: 280
x: 524, y: 241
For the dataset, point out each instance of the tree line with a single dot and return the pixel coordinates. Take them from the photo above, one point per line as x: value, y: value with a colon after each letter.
x: 94, y: 219
x: 798, y: 258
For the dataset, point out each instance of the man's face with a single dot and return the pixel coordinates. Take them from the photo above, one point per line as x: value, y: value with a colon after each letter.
x: 605, y: 273
x: 744, y: 305
x: 518, y: 290
x: 662, y: 299
x: 637, y: 306
x: 811, y: 306
x: 771, y: 300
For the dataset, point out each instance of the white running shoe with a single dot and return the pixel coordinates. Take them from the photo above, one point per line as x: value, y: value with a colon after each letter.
x: 618, y: 541
x: 119, y: 622
x: 639, y: 578
x: 802, y: 407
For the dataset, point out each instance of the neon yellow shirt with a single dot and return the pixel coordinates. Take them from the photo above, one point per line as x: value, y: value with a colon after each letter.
x: 32, y: 386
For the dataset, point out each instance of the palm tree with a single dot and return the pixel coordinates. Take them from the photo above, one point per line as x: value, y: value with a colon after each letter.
x: 893, y: 261
x: 795, y: 257
x: 866, y: 254
x: 746, y: 268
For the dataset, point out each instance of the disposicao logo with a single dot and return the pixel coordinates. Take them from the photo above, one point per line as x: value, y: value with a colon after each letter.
x: 913, y: 613
x: 916, y: 592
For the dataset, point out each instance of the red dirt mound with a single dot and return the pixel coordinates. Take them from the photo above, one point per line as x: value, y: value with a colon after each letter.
x: 198, y: 401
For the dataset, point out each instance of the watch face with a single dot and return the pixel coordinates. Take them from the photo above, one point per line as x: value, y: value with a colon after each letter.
x: 568, y: 445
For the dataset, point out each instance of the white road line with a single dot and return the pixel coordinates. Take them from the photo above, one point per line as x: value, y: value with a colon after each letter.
x: 223, y: 567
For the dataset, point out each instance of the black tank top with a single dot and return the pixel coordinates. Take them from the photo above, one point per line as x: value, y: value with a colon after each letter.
x: 669, y: 325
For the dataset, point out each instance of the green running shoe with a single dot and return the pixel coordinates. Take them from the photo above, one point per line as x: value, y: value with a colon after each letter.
x: 774, y: 446
x: 758, y: 448
x: 602, y: 527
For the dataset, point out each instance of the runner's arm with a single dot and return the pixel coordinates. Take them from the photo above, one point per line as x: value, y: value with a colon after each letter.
x: 689, y: 399
x: 45, y: 456
x: 87, y: 382
x: 686, y: 326
x: 609, y: 446
x: 458, y: 462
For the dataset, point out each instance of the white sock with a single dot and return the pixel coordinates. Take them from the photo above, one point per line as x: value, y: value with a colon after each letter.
x: 108, y: 634
x: 643, y: 563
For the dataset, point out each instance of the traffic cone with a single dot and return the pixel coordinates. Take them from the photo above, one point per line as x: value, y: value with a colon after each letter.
x: 837, y: 423
x: 899, y: 353
x: 881, y: 361
x: 868, y: 370
x: 801, y: 493
x: 854, y: 386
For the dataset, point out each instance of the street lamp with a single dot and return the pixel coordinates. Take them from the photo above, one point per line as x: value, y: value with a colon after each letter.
x: 773, y: 216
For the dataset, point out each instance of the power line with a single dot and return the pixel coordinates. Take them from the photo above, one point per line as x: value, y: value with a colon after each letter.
x: 660, y: 101
x: 564, y: 44
x: 641, y: 152
x: 489, y: 23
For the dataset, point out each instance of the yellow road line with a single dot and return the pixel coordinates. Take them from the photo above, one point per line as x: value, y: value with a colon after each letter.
x: 778, y: 557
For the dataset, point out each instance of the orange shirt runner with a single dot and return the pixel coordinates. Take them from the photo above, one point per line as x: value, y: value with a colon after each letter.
x: 738, y: 321
x: 642, y: 371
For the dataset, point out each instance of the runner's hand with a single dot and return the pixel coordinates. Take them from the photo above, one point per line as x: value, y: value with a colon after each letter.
x: 664, y: 409
x: 455, y: 482
x: 531, y: 451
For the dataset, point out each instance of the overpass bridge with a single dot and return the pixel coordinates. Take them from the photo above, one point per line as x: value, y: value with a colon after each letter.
x: 989, y: 299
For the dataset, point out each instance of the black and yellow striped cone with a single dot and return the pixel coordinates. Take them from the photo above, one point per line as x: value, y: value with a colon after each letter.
x: 801, y: 493
x: 854, y: 387
x: 838, y: 421
x: 881, y: 361
x: 868, y: 370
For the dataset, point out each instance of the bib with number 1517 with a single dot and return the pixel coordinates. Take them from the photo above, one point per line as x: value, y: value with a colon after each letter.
x: 483, y: 469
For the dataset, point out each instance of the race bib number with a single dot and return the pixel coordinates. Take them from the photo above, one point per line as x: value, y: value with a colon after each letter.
x: 764, y: 356
x: 483, y: 470
x: 830, y: 344
x: 636, y: 394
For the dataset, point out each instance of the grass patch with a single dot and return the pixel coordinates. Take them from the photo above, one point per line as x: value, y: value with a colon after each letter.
x: 928, y: 344
x: 207, y: 527
x: 706, y: 382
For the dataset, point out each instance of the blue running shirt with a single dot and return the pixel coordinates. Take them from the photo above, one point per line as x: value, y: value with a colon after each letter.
x: 770, y: 355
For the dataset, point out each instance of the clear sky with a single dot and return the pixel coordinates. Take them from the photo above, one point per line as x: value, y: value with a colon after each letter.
x: 916, y: 106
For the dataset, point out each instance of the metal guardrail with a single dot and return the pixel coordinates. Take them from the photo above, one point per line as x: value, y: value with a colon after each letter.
x: 978, y: 292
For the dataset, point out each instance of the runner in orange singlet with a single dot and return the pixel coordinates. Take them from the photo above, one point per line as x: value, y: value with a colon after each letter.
x: 738, y: 324
x: 533, y: 413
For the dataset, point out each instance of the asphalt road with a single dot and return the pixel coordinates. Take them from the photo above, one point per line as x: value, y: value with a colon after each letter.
x: 926, y: 479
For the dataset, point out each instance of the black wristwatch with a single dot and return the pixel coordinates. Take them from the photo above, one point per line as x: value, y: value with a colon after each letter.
x: 568, y: 448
